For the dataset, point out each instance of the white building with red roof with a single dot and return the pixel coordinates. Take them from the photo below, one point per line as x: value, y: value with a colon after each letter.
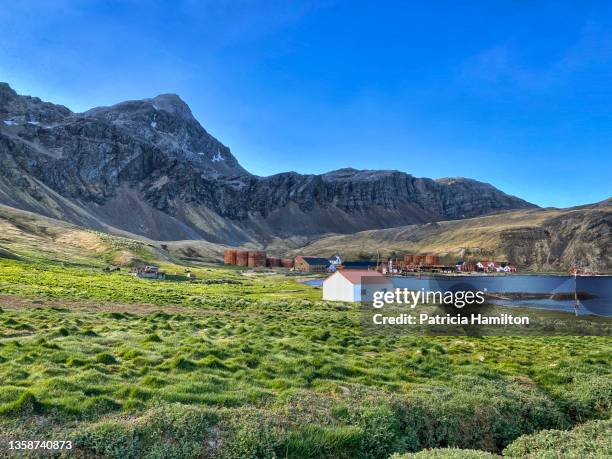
x: 354, y: 285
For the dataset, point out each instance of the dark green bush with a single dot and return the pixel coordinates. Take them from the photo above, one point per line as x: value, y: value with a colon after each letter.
x: 587, y: 398
x: 171, y: 431
x: 251, y: 433
x: 474, y: 413
x: 590, y: 440
x: 111, y: 439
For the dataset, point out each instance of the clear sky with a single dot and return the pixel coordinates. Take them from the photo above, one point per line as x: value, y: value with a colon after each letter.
x: 517, y: 93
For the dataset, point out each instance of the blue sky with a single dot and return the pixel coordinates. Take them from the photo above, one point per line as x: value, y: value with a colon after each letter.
x: 517, y: 93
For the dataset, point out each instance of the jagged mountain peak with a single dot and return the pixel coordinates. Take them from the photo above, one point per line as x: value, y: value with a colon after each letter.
x: 171, y: 103
x: 167, y: 122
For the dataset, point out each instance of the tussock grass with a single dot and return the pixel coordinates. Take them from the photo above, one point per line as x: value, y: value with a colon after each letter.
x: 133, y: 368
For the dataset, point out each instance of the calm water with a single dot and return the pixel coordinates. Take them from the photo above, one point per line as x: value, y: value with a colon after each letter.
x: 600, y: 287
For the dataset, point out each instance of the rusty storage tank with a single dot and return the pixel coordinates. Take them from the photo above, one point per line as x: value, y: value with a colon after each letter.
x: 418, y: 260
x: 287, y: 262
x: 431, y: 260
x: 242, y: 258
x: 256, y: 258
x: 274, y: 262
x: 409, y: 259
x: 229, y: 256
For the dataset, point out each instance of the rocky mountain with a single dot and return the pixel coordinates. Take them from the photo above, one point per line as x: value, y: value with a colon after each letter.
x: 148, y: 167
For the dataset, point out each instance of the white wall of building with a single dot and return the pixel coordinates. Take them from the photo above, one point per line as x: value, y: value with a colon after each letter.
x: 338, y: 288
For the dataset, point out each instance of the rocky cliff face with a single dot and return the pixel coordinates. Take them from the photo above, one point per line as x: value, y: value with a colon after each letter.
x: 578, y: 237
x: 150, y: 168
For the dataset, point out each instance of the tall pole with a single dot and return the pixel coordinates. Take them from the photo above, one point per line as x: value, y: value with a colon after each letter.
x: 577, y: 303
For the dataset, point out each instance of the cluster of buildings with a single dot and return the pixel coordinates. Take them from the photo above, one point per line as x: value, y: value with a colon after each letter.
x: 360, y: 284
x: 409, y: 263
x: 431, y: 263
x: 148, y: 272
x: 307, y: 264
x: 487, y: 266
x: 301, y: 263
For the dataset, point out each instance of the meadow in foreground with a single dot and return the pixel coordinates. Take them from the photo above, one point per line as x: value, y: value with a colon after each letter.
x: 232, y: 365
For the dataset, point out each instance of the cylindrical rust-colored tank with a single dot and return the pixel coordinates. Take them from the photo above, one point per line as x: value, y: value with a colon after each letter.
x: 409, y: 259
x: 229, y: 256
x: 431, y: 260
x: 287, y: 262
x: 256, y: 258
x: 273, y: 262
x: 242, y: 257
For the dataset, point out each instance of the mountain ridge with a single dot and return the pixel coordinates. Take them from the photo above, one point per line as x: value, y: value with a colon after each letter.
x: 149, y: 167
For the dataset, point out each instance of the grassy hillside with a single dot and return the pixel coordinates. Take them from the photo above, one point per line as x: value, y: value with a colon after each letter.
x: 538, y: 239
x: 40, y: 238
x: 236, y: 364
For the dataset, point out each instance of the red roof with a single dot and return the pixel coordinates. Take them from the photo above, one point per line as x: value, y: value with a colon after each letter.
x: 354, y: 276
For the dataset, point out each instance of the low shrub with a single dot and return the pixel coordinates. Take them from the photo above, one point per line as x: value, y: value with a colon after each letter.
x: 590, y: 440
x: 587, y: 398
x: 252, y: 433
x: 474, y: 413
x: 171, y: 431
x: 111, y: 439
x: 446, y: 453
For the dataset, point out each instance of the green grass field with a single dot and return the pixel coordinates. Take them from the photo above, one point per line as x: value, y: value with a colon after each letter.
x: 234, y: 365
